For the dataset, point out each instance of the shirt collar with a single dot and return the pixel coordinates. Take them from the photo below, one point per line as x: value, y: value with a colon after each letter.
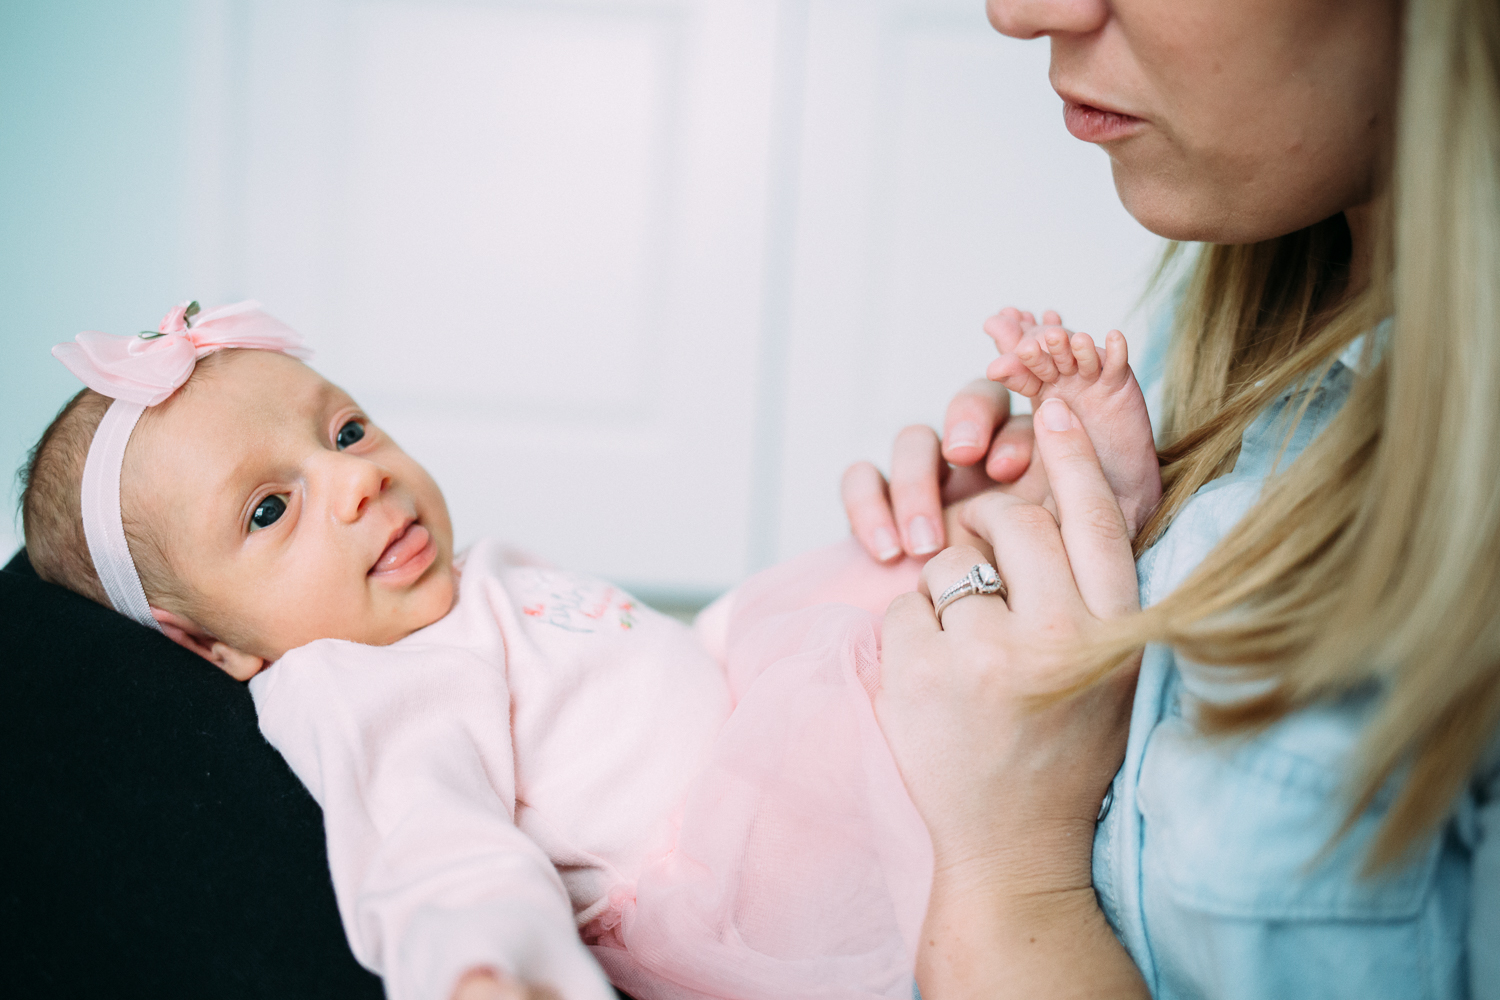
x: 1354, y: 358
x: 1359, y: 357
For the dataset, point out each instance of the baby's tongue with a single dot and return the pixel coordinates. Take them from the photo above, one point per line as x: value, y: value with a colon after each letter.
x: 401, y: 551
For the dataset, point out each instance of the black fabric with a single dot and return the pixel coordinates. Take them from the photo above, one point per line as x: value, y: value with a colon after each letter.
x: 154, y: 844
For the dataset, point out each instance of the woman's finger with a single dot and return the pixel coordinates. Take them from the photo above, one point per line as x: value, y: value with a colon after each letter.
x: 969, y: 614
x: 868, y: 507
x: 1029, y: 554
x: 972, y: 418
x: 907, y: 637
x: 909, y: 622
x: 964, y: 483
x: 1010, y: 450
x: 1093, y: 529
x: 917, y: 469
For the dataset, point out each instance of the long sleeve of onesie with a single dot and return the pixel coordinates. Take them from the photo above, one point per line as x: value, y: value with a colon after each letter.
x: 409, y: 753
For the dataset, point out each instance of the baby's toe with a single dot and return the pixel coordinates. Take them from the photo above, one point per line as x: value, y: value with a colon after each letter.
x: 1116, y: 364
x: 1011, y: 372
x: 1087, y: 356
x: 1004, y: 328
x: 1037, y: 360
x: 1061, y: 351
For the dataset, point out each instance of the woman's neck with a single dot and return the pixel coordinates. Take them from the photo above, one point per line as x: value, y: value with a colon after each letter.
x: 1361, y: 220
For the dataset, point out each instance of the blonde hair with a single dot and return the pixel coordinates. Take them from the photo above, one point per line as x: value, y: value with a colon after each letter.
x: 1374, y: 557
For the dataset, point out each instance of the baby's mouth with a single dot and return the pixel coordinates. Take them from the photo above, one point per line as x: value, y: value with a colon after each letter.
x: 411, y: 544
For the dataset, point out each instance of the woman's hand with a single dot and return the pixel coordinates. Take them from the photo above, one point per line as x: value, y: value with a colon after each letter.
x: 982, y: 447
x: 1005, y: 766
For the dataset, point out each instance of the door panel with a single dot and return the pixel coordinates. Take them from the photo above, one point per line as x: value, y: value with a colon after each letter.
x: 936, y: 185
x: 529, y: 237
x: 636, y: 279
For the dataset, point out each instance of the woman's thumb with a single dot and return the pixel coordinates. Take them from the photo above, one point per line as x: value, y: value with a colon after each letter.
x: 1093, y: 528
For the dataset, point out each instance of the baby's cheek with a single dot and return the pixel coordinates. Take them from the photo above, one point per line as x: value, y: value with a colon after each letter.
x: 422, y: 605
x: 312, y: 611
x: 438, y: 596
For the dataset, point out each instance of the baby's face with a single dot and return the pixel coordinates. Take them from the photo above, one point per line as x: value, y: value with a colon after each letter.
x: 286, y: 514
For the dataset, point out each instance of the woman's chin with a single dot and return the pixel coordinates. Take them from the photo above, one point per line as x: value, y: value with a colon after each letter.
x: 1175, y: 212
x: 1163, y: 209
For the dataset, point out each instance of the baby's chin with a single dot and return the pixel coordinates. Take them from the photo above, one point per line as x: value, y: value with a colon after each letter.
x: 428, y: 602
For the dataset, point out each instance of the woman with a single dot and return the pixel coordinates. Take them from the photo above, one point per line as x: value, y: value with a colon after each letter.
x: 1309, y: 800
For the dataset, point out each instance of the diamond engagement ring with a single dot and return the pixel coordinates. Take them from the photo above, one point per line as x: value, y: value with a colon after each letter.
x: 982, y: 578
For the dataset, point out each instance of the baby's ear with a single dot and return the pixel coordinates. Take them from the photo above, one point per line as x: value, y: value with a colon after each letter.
x: 237, y: 664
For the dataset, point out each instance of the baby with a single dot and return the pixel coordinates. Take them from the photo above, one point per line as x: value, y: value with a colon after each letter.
x: 526, y: 776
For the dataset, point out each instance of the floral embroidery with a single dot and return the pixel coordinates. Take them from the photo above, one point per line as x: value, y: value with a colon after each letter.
x: 575, y: 606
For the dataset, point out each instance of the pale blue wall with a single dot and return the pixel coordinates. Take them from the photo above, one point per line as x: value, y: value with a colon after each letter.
x: 91, y: 145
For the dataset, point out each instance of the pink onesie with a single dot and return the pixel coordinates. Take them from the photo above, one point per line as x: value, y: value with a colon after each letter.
x: 553, y: 770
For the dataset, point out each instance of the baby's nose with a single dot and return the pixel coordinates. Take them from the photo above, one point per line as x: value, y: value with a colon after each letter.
x: 354, y: 483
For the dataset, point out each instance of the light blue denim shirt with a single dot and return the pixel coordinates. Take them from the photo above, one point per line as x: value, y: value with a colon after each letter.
x: 1209, y: 864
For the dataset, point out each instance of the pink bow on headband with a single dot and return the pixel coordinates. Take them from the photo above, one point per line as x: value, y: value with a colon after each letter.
x: 150, y: 366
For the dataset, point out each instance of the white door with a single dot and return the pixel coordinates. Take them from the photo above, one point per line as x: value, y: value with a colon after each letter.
x: 936, y: 184
x: 530, y: 238
x: 636, y: 279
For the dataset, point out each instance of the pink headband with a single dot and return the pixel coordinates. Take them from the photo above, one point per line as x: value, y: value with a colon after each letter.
x: 138, y: 372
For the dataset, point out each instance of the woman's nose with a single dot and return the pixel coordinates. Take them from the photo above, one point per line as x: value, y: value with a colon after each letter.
x: 351, y: 483
x: 1035, y: 18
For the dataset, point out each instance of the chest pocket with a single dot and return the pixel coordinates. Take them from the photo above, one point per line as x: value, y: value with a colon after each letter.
x: 1244, y: 829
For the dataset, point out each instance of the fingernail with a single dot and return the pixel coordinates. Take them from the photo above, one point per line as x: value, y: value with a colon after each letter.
x: 1055, y: 416
x: 923, y: 538
x: 1006, y: 452
x: 886, y: 546
x: 964, y: 435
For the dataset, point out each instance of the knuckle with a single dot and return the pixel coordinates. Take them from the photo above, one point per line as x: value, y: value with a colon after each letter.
x: 1029, y: 517
x: 916, y: 483
x: 986, y: 505
x: 948, y: 564
x: 922, y: 482
x: 903, y: 628
x: 1102, y: 517
x: 915, y: 493
x: 908, y: 601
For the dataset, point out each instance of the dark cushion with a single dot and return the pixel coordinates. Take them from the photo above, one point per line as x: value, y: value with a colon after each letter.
x: 154, y: 843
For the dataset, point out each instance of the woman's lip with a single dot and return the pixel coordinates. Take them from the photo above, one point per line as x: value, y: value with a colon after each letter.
x: 1093, y: 124
x: 406, y: 557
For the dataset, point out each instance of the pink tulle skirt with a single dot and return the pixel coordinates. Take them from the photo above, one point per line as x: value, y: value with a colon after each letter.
x: 797, y: 866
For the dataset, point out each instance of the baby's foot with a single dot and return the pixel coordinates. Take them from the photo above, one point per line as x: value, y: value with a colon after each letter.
x: 1046, y: 361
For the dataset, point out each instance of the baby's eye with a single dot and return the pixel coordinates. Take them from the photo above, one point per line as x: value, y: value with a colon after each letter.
x: 268, y: 512
x: 349, y: 434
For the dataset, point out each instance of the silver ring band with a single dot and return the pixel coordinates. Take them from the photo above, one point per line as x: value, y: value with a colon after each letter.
x: 982, y: 578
